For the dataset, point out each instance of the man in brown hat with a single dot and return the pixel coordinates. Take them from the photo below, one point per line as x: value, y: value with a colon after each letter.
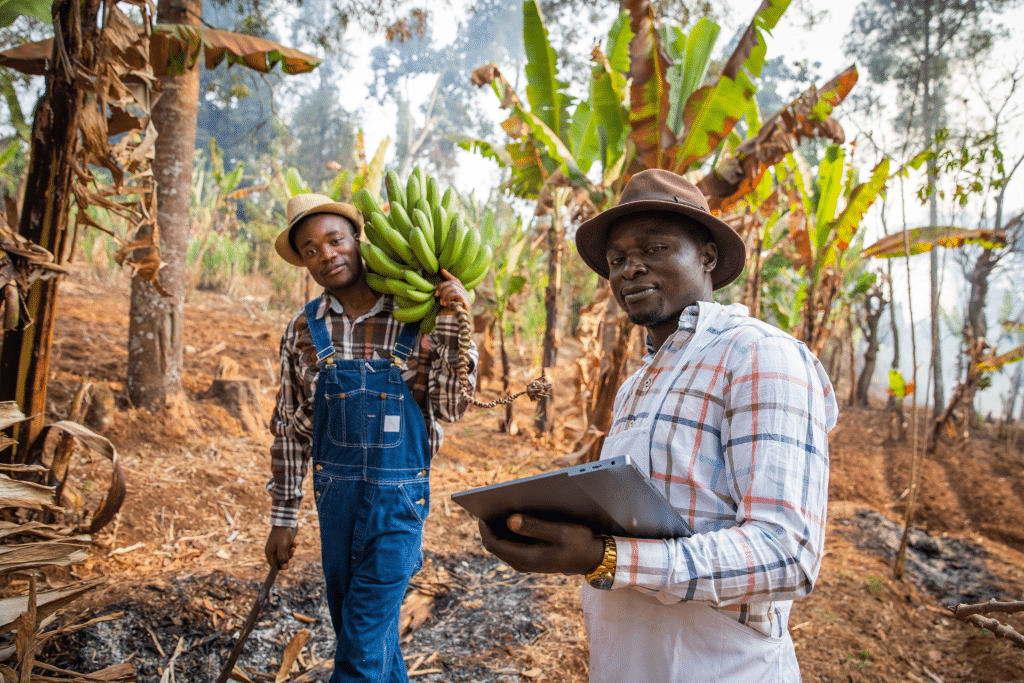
x: 729, y: 417
x: 361, y: 397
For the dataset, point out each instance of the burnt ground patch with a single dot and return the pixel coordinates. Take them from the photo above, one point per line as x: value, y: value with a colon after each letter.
x: 481, y: 608
x: 952, y: 570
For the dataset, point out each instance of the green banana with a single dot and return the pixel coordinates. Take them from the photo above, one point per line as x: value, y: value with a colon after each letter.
x: 479, y: 265
x: 396, y: 193
x: 422, y: 249
x: 453, y: 245
x: 366, y: 203
x: 426, y: 208
x: 402, y: 301
x: 474, y: 282
x: 421, y: 220
x: 377, y: 282
x: 405, y: 290
x: 378, y: 261
x: 433, y: 192
x: 418, y: 281
x: 408, y: 314
x: 448, y: 200
x: 400, y: 220
x: 467, y: 254
x: 418, y: 172
x: 374, y: 230
x: 412, y: 190
x: 438, y: 218
x: 399, y: 245
x: 430, y: 319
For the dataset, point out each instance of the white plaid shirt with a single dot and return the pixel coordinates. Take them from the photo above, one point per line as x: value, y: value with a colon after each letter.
x: 740, y: 448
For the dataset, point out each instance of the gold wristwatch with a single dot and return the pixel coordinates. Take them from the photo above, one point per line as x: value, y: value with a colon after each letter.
x: 603, y: 575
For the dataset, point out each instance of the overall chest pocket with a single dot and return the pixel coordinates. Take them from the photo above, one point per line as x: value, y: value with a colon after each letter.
x: 366, y: 418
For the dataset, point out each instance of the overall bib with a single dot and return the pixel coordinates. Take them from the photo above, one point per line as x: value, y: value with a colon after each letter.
x: 634, y: 638
x: 371, y: 480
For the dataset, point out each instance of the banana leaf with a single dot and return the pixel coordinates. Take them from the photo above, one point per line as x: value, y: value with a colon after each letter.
x: 862, y: 197
x: 713, y: 111
x: 801, y: 119
x: 12, y: 9
x: 994, y: 363
x: 649, y: 90
x: 830, y: 183
x: 691, y: 55
x: 174, y: 47
x: 584, y: 142
x: 923, y: 240
x: 608, y: 97
x: 544, y: 91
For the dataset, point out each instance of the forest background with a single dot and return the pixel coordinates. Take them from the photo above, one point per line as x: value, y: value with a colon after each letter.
x: 400, y: 73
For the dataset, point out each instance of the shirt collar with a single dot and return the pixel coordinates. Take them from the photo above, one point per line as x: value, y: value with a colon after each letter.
x: 687, y: 324
x: 328, y: 301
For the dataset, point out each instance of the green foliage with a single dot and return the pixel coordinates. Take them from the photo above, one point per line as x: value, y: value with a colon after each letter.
x: 12, y: 9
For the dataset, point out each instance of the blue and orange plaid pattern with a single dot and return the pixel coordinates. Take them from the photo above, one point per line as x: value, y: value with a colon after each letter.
x: 740, y: 448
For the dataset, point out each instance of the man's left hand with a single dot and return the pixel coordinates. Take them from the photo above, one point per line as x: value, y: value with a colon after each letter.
x: 450, y: 291
x: 559, y: 548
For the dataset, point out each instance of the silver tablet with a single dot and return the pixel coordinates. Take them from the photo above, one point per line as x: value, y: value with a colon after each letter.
x: 610, y: 496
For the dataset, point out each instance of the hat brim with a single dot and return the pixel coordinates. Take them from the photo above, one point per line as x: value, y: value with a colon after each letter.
x: 592, y: 238
x: 282, y: 243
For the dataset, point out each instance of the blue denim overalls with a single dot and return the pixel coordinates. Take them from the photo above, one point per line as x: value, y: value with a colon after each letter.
x: 371, y: 479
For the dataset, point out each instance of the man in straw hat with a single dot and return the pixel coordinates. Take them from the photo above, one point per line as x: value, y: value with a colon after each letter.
x: 730, y: 418
x: 361, y: 395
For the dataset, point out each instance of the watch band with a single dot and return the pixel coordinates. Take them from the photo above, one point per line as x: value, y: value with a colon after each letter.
x: 602, y: 576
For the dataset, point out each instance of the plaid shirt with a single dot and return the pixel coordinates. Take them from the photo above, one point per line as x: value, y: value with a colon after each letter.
x: 429, y: 374
x: 740, y: 448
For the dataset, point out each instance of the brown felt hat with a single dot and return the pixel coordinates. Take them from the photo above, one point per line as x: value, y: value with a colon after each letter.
x: 659, y: 190
x: 304, y: 205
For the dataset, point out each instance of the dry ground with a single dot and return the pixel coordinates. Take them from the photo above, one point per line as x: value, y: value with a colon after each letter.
x: 184, y: 557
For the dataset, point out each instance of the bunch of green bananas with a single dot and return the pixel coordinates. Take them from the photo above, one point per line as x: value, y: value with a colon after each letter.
x: 406, y: 249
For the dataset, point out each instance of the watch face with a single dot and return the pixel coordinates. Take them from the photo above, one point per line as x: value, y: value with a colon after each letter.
x: 602, y: 582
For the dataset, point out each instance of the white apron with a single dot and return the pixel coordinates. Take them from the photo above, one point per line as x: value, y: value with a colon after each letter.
x: 634, y: 638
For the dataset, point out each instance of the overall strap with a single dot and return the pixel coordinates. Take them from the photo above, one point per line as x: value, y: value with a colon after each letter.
x: 318, y: 330
x: 405, y: 343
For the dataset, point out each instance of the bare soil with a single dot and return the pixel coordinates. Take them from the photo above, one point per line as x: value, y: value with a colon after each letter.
x: 184, y: 558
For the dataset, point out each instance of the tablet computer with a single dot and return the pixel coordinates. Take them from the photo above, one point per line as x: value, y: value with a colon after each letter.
x: 610, y: 496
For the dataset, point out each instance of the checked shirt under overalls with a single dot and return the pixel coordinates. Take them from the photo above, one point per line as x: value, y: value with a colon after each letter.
x: 371, y: 481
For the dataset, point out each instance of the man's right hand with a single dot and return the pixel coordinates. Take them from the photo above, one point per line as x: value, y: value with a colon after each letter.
x: 280, y: 546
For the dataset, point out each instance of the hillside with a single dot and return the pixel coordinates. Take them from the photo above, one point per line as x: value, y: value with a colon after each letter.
x: 185, y: 556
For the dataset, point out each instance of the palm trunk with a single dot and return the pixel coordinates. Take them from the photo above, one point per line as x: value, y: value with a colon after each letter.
x: 25, y: 360
x: 155, y: 344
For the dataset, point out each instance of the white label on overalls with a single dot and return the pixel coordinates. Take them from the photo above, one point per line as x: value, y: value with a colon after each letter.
x: 392, y: 423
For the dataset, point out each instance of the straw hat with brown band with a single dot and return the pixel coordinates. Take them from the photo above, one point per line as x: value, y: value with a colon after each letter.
x: 660, y: 190
x: 304, y: 205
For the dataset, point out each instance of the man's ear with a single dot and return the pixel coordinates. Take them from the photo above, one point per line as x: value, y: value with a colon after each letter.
x: 709, y: 256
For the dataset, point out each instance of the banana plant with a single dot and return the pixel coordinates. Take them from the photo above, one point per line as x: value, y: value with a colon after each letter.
x: 223, y: 189
x: 510, y: 244
x: 825, y: 273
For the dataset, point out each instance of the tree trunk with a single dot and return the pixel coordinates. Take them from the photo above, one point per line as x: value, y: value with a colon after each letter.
x: 25, y: 360
x: 549, y: 354
x: 872, y: 317
x: 976, y: 300
x: 155, y: 344
x: 938, y: 392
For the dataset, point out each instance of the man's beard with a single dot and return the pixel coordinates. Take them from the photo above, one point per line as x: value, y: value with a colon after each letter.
x: 650, y: 318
